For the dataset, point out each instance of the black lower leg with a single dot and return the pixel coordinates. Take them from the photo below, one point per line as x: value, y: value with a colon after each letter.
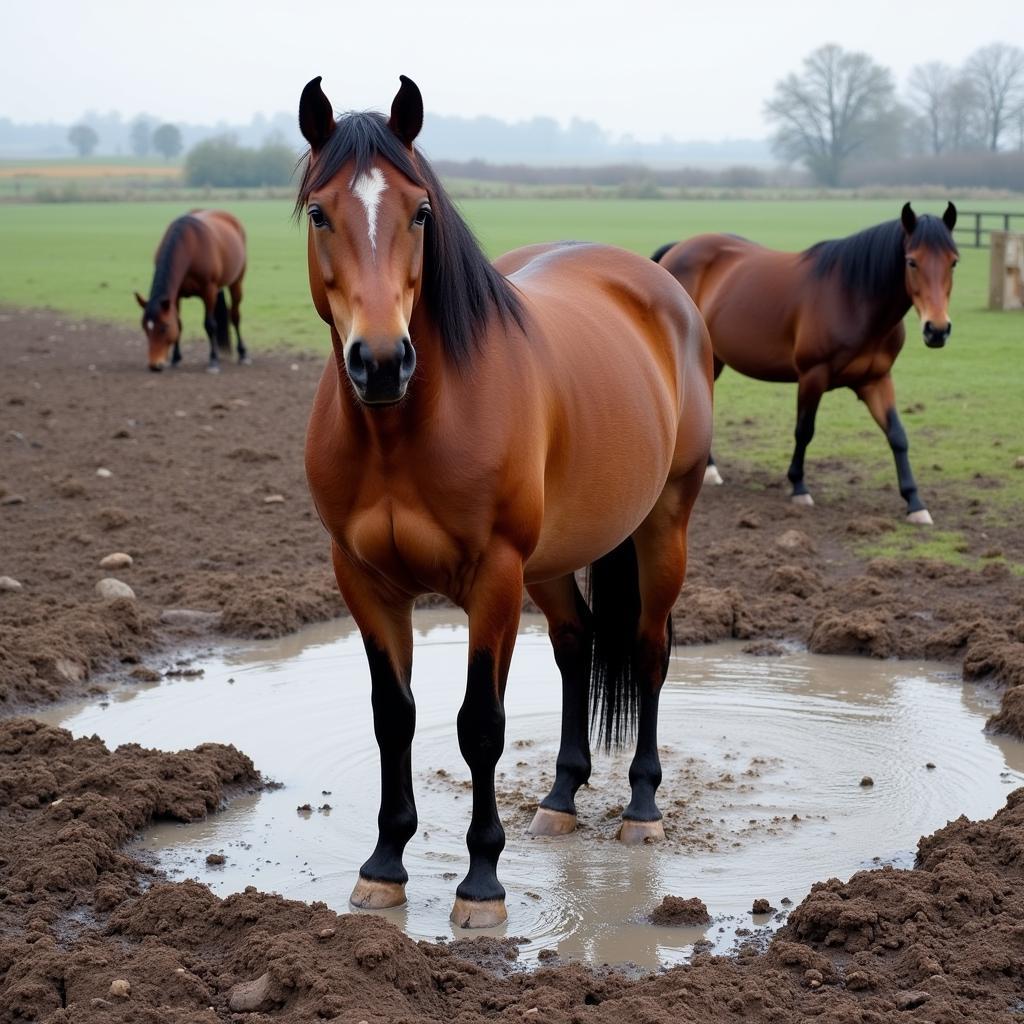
x: 243, y: 352
x: 803, y: 434
x: 897, y: 438
x: 572, y: 769
x: 394, y: 722
x: 210, y: 323
x: 176, y: 354
x: 645, y: 769
x: 481, y: 739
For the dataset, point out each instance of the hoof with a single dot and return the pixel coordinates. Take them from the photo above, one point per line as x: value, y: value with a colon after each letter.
x: 371, y: 895
x: 478, y: 914
x: 633, y: 833
x: 801, y: 499
x: 213, y: 368
x: 920, y: 517
x: 552, y: 823
x: 713, y: 477
x: 245, y: 361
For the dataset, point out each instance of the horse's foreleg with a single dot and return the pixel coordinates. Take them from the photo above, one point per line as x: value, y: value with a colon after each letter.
x: 880, y: 398
x: 493, y: 606
x: 210, y: 326
x: 570, y: 631
x: 236, y: 320
x: 661, y: 565
x: 809, y: 391
x: 385, y: 622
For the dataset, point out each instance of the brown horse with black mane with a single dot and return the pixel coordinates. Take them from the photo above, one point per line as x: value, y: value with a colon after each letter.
x: 200, y: 254
x: 483, y: 428
x: 828, y: 317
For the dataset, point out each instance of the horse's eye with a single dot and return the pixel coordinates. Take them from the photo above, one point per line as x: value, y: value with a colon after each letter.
x: 911, y: 263
x: 421, y: 216
x: 955, y: 262
x: 316, y: 217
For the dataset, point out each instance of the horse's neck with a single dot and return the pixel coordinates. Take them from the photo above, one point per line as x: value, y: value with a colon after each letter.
x: 170, y: 272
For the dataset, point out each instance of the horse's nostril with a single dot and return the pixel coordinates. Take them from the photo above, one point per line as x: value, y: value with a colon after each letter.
x: 357, y: 362
x: 408, y: 356
x: 927, y: 327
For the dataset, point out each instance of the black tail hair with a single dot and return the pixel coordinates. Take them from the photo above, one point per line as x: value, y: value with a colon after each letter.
x: 658, y: 253
x: 220, y: 316
x: 613, y: 591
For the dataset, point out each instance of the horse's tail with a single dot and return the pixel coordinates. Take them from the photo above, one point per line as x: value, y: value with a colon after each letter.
x: 220, y: 316
x: 613, y: 590
x: 658, y: 253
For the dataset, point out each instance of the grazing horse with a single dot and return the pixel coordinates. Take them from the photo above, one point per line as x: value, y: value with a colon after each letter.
x: 200, y: 254
x: 483, y: 428
x: 828, y: 317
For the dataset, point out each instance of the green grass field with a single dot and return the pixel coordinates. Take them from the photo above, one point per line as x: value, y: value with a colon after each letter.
x: 87, y: 259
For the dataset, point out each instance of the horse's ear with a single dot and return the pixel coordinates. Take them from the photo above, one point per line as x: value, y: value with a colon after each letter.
x: 316, y: 115
x: 140, y: 300
x: 407, y: 111
x: 909, y: 219
x: 949, y: 216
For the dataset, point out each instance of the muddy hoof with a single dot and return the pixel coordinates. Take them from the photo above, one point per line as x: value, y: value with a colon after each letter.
x: 712, y: 476
x: 478, y: 914
x: 801, y: 499
x: 633, y: 833
x: 552, y: 823
x: 919, y: 518
x: 371, y: 895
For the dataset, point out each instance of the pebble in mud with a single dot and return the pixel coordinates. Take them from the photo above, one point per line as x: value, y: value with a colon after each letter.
x: 274, y: 499
x: 867, y: 781
x: 120, y: 989
x: 215, y: 858
x: 761, y: 906
x: 110, y: 589
x: 10, y: 584
x: 103, y: 473
x: 117, y: 560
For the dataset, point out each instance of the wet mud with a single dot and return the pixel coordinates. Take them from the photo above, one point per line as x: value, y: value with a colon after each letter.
x: 89, y: 932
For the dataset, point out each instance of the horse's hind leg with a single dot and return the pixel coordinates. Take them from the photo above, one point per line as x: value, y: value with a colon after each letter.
x: 569, y: 628
x: 236, y: 319
x: 385, y: 622
x: 210, y: 325
x: 711, y: 474
x: 809, y: 391
x: 880, y: 398
x: 661, y: 566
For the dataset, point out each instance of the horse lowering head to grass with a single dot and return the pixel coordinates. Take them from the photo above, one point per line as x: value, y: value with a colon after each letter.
x: 483, y: 428
x: 199, y: 255
x: 828, y: 317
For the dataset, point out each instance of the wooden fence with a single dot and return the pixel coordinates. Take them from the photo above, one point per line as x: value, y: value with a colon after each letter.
x: 973, y: 227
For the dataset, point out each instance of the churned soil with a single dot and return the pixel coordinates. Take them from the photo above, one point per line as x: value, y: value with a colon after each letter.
x: 89, y: 932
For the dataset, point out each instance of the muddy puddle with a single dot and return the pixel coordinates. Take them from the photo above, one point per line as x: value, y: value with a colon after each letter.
x: 763, y: 766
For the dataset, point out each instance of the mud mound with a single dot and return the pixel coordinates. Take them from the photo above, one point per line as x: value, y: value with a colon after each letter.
x: 676, y: 912
x: 857, y: 632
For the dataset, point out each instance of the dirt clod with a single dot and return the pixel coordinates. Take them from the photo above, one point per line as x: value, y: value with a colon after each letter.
x: 676, y: 912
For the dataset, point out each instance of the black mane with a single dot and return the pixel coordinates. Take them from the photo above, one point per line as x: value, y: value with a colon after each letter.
x: 869, y: 262
x: 460, y: 286
x: 160, y: 288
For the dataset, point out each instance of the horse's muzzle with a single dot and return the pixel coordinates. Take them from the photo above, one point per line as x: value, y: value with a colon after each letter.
x: 936, y: 337
x: 380, y: 379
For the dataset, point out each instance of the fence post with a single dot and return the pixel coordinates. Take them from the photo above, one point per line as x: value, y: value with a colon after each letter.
x: 977, y: 231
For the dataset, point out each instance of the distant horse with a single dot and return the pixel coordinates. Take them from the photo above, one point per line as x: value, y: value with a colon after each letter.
x: 200, y: 254
x: 828, y: 317
x: 480, y: 428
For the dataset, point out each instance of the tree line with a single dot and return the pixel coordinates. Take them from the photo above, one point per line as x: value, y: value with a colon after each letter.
x: 842, y: 109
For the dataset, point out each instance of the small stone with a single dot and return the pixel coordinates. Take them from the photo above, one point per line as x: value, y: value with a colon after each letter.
x: 248, y: 996
x: 911, y: 1000
x: 761, y: 906
x: 104, y: 473
x: 12, y: 499
x: 813, y: 977
x: 10, y: 584
x: 1018, y: 463
x: 325, y: 933
x: 180, y: 413
x: 274, y: 499
x: 867, y: 781
x: 110, y: 589
x: 117, y: 560
x: 215, y: 858
x: 857, y: 981
x: 930, y: 765
x: 120, y: 989
x: 144, y: 674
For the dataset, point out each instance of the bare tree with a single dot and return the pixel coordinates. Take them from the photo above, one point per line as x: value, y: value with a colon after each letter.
x: 84, y: 138
x: 837, y: 106
x: 997, y: 73
x: 929, y: 86
x: 167, y: 141
x: 963, y: 128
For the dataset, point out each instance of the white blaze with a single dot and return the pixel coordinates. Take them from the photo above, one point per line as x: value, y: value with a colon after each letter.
x: 368, y: 189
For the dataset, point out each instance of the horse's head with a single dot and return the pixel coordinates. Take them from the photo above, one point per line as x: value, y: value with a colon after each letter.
x: 931, y: 255
x: 368, y: 208
x: 163, y: 328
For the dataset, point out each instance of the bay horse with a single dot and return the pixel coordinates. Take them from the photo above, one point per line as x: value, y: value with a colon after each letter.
x: 828, y: 317
x: 200, y: 254
x: 480, y: 428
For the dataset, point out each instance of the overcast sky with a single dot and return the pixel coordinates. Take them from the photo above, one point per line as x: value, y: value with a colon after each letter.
x: 646, y: 67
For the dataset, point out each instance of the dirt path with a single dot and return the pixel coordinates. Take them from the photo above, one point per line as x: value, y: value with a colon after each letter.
x: 192, y: 460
